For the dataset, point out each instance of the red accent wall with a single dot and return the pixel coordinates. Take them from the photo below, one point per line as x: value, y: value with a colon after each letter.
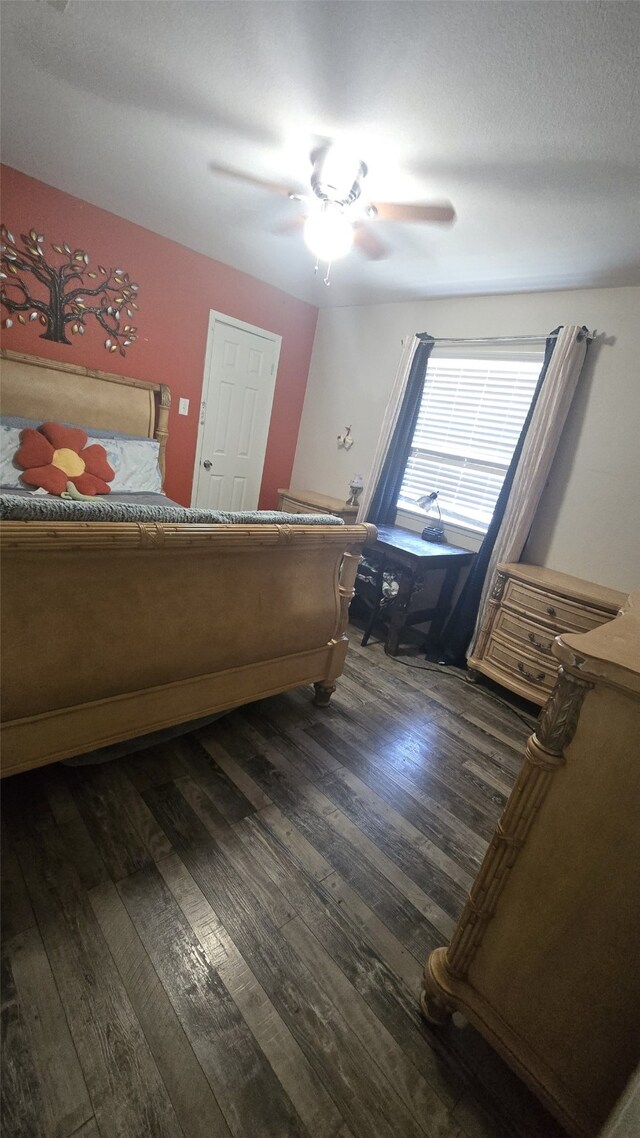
x: 178, y: 289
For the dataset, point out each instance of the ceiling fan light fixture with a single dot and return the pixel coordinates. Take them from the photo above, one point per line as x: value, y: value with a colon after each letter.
x: 337, y: 173
x: 328, y: 234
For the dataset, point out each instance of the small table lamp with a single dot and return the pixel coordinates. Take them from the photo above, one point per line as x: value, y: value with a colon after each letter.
x: 355, y: 486
x: 435, y: 531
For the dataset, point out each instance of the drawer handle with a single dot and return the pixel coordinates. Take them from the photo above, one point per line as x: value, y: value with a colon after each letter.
x: 539, y: 644
x: 551, y: 610
x: 529, y: 675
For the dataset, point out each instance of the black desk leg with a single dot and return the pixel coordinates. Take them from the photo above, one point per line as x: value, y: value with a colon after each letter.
x: 444, y: 603
x: 376, y: 606
x: 399, y: 612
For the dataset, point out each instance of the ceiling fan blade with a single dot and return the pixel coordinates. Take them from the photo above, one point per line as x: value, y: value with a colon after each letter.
x: 261, y: 183
x: 441, y: 213
x: 369, y: 243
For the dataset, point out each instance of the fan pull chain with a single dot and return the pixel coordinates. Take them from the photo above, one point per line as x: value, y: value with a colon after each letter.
x: 325, y: 279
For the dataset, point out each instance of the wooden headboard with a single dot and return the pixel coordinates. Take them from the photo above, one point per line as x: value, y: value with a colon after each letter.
x: 40, y: 389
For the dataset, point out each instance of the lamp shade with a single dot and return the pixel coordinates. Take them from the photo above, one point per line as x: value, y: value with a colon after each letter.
x: 328, y: 234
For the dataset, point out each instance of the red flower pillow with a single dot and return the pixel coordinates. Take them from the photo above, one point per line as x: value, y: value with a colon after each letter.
x: 54, y: 455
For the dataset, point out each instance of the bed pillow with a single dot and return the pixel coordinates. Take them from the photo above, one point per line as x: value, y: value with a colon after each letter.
x: 133, y: 460
x: 54, y: 456
x: 9, y: 443
x: 93, y: 432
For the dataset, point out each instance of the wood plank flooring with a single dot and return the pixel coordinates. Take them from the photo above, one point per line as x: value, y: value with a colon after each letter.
x: 223, y: 937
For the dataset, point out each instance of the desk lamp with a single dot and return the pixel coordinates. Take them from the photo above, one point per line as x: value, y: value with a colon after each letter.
x: 434, y: 531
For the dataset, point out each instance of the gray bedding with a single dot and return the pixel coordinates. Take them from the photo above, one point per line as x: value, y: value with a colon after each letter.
x: 22, y: 506
x: 145, y: 499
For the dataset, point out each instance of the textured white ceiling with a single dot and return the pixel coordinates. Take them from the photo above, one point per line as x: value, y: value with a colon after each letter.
x: 525, y: 115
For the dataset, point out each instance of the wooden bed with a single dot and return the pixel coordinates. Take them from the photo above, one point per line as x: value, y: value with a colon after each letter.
x: 112, y: 630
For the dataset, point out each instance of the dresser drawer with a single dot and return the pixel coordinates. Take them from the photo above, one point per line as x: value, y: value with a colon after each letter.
x: 535, y: 674
x: 557, y: 612
x: 533, y: 637
x: 290, y: 506
x: 307, y: 502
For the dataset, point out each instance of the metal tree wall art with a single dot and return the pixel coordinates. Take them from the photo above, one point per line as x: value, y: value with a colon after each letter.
x: 63, y: 296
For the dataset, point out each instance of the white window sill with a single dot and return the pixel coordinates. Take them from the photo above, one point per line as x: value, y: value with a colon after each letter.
x: 456, y: 534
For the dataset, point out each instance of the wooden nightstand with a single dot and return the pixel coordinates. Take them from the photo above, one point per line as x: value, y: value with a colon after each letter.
x: 529, y: 606
x: 308, y: 502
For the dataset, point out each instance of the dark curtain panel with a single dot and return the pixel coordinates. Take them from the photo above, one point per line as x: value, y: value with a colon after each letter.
x: 458, y: 630
x: 382, y: 510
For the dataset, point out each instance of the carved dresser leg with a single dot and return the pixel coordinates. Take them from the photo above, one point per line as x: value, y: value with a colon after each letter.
x: 445, y: 985
x: 323, y: 694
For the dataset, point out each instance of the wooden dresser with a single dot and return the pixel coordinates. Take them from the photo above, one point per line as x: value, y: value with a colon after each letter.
x: 308, y: 502
x: 529, y: 606
x: 544, y: 959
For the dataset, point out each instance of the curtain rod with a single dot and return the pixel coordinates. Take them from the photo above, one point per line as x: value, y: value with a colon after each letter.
x: 500, y: 339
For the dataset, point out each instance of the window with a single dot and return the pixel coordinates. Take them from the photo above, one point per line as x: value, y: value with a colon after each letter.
x: 473, y: 408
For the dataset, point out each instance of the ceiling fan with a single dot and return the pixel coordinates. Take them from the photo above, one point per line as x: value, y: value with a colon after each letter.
x: 336, y: 215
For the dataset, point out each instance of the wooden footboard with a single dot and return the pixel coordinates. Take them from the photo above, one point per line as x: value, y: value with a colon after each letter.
x: 113, y: 630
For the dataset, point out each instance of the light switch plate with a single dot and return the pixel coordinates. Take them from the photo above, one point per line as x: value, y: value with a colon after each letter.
x: 183, y: 407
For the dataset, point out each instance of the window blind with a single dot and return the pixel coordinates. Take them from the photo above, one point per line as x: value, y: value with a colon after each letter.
x: 470, y: 419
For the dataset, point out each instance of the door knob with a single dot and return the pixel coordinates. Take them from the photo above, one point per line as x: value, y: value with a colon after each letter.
x: 207, y: 464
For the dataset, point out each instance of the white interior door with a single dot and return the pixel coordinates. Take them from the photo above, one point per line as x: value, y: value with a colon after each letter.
x: 239, y: 380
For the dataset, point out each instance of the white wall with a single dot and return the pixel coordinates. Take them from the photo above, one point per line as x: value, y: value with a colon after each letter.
x: 588, y: 523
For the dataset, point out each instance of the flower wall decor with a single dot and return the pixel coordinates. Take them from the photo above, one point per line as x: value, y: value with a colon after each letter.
x: 63, y: 296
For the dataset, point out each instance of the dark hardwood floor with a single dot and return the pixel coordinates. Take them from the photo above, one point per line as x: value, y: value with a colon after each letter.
x: 225, y: 935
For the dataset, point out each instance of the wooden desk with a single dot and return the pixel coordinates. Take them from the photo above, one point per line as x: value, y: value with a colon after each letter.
x: 407, y: 555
